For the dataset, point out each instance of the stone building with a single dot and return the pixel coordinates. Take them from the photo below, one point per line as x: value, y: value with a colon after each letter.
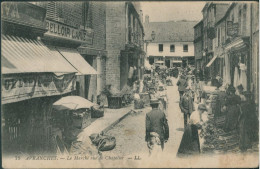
x: 198, y: 44
x: 169, y: 43
x: 212, y: 13
x: 124, y: 43
x: 84, y: 41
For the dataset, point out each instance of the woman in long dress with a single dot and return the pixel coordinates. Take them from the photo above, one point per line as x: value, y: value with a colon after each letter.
x: 247, y: 122
x: 190, y: 143
x: 231, y: 103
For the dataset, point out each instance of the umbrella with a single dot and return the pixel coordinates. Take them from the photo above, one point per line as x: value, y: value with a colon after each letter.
x: 72, y: 103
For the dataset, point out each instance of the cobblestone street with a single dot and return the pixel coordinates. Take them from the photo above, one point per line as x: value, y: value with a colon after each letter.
x: 130, y: 132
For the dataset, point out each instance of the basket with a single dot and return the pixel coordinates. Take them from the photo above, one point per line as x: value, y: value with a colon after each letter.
x: 146, y: 98
x: 82, y: 120
x: 114, y: 102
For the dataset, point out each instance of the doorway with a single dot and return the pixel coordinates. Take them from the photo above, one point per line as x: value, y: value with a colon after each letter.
x: 168, y: 63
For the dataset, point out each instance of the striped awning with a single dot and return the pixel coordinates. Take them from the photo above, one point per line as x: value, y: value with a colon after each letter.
x: 77, y: 61
x: 22, y: 55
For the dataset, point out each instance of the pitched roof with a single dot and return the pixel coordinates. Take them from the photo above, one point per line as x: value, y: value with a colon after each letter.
x: 172, y: 31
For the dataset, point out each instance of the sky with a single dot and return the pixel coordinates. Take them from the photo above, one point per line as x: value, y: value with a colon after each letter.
x: 166, y: 11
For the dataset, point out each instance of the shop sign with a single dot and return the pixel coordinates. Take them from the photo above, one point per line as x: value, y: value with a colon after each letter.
x: 232, y: 28
x: 63, y: 31
x: 235, y: 29
x: 229, y: 28
x: 23, y: 13
x: 26, y: 87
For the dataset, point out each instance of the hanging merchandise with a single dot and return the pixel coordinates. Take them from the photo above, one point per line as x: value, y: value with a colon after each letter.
x: 131, y: 72
x: 243, y: 77
x: 236, y: 77
x: 227, y: 70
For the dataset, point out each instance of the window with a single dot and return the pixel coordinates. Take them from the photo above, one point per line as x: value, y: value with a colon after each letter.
x: 172, y: 48
x: 160, y: 47
x: 185, y: 48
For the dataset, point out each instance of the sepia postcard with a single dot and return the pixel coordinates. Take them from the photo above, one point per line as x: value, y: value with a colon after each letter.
x: 130, y: 84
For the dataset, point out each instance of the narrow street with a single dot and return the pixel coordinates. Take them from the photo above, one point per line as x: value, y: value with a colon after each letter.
x: 130, y: 132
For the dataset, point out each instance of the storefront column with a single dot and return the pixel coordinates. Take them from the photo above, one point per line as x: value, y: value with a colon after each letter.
x: 99, y: 86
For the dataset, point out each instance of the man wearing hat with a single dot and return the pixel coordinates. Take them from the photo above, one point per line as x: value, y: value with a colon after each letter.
x: 186, y: 105
x: 182, y: 84
x: 156, y: 122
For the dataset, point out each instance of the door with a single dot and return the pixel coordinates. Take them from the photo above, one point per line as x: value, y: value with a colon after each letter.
x: 168, y: 63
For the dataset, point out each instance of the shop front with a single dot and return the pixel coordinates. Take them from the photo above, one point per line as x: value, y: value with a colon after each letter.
x: 33, y: 77
x: 237, y: 62
x: 66, y: 40
x: 131, y: 65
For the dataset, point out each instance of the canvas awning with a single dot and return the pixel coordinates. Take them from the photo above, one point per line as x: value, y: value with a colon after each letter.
x: 77, y: 61
x: 147, y: 65
x: 211, y: 61
x: 22, y: 55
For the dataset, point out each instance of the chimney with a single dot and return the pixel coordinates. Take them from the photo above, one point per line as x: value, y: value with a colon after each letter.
x: 146, y: 19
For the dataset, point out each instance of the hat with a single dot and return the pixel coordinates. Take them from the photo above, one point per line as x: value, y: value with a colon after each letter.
x: 240, y: 87
x: 154, y: 101
x: 202, y: 107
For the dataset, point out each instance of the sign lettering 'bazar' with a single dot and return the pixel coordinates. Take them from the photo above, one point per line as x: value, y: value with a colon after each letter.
x: 63, y: 31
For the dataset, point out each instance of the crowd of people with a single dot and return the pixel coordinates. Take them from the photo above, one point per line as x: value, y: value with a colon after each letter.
x: 237, y: 107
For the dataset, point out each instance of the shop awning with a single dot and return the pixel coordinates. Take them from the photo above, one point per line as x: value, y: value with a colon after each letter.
x: 176, y: 61
x: 211, y: 61
x: 77, y: 61
x: 22, y: 55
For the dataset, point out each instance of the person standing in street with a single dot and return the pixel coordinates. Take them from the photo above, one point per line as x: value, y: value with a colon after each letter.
x: 232, y: 103
x: 191, y: 143
x: 182, y: 84
x: 186, y: 105
x: 157, y: 129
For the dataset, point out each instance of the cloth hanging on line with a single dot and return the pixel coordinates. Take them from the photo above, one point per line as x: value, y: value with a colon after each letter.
x: 243, y: 77
x: 236, y: 77
x: 227, y: 79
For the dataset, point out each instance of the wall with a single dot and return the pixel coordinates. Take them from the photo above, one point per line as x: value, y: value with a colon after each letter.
x: 98, y: 10
x: 153, y: 49
x: 198, y: 49
x: 98, y: 14
x: 115, y: 40
x: 255, y: 51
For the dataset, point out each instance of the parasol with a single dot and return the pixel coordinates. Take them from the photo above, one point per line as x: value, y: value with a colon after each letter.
x: 72, y: 103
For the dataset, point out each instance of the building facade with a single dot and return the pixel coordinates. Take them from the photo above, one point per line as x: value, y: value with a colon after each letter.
x: 212, y: 13
x: 198, y: 44
x: 255, y: 51
x: 233, y: 44
x: 33, y: 78
x: 169, y: 43
x: 84, y: 38
x: 124, y: 44
x: 50, y: 50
